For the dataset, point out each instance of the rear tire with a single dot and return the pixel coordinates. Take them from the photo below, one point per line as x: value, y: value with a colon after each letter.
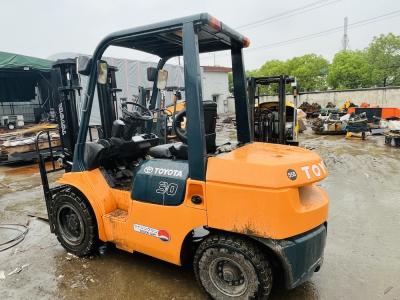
x: 231, y: 267
x: 75, y: 223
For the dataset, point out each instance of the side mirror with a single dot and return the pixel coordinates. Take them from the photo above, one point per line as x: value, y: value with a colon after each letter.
x: 84, y: 65
x: 178, y: 95
x: 151, y: 73
x: 102, y: 72
x: 162, y: 79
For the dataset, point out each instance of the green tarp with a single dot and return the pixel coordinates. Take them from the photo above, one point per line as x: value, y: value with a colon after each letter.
x: 10, y: 61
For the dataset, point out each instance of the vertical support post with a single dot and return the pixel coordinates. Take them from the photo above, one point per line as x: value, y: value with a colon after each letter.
x: 112, y: 91
x: 153, y: 101
x: 239, y: 91
x: 154, y: 92
x: 194, y: 104
x: 295, y: 103
x: 106, y: 101
x: 251, y: 91
x: 282, y: 110
x: 105, y: 113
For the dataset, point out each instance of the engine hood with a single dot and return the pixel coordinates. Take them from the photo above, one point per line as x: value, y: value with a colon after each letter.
x: 267, y: 165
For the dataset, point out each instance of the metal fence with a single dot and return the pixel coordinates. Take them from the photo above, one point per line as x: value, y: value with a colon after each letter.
x: 19, y: 108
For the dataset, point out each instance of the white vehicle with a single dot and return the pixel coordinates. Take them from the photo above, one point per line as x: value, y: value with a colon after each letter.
x: 12, y: 121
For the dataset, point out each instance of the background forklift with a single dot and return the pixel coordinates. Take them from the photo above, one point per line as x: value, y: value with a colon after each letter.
x: 243, y: 218
x: 273, y: 122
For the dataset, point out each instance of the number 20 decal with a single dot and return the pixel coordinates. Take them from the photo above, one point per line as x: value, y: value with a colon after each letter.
x: 166, y: 188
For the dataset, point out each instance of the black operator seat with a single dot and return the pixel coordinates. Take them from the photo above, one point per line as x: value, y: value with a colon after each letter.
x: 175, y: 150
x: 118, y: 148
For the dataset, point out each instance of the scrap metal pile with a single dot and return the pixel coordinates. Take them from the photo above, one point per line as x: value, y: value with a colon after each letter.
x: 19, y: 145
x: 392, y: 135
x: 312, y: 110
x: 357, y: 123
x: 330, y: 124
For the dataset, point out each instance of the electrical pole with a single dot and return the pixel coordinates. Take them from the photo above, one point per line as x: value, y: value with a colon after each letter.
x: 345, y: 41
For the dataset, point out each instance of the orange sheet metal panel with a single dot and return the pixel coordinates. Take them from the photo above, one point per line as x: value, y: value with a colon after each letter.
x: 152, y: 229
x: 387, y: 112
x: 251, y: 190
x: 390, y: 112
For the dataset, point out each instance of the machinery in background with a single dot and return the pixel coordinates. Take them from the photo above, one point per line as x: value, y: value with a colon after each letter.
x: 346, y: 105
x: 12, y: 121
x: 65, y: 80
x: 164, y: 115
x: 273, y: 122
x: 329, y: 123
x: 376, y: 112
x: 392, y: 133
x: 357, y: 126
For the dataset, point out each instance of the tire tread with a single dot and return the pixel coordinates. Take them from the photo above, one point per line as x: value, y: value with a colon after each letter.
x: 244, y: 246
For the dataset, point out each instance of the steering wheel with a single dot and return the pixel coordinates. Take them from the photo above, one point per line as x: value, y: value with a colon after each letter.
x: 144, y: 114
x: 177, y: 125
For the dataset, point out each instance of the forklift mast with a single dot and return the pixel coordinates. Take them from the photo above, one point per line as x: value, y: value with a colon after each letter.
x: 107, y: 94
x: 67, y: 85
x: 253, y: 93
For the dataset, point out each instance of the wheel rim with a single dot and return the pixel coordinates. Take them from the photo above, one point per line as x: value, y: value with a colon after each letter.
x: 228, y: 277
x: 70, y: 224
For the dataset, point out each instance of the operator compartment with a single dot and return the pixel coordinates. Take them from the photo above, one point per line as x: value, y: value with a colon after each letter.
x: 255, y: 187
x: 117, y: 157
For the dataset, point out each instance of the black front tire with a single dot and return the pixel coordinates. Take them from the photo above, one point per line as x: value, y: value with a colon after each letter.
x: 75, y: 223
x: 231, y: 267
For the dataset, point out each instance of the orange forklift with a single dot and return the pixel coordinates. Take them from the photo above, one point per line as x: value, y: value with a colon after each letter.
x: 246, y: 218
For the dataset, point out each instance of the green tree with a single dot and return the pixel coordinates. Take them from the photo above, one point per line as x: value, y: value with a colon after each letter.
x: 349, y: 70
x: 310, y: 70
x: 383, y: 55
x: 230, y: 78
x: 272, y: 68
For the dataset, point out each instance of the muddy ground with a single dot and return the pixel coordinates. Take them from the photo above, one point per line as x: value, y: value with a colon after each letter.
x: 362, y: 256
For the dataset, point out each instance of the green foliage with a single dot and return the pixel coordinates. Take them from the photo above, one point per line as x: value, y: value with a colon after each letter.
x: 377, y: 65
x: 383, y: 55
x: 272, y: 68
x: 310, y: 70
x: 350, y: 70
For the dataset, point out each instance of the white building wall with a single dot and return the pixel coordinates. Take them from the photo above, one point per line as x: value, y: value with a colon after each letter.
x: 216, y: 84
